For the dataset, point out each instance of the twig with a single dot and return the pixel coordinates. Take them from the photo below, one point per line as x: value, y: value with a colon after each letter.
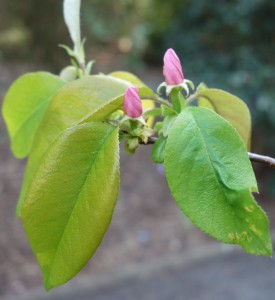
x: 262, y: 159
x: 191, y: 98
x: 157, y: 99
x: 252, y: 156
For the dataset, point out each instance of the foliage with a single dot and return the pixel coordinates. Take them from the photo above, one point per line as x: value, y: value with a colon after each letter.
x: 231, y: 44
x: 76, y: 226
x: 212, y: 179
x: 71, y: 181
x: 35, y: 90
x: 71, y: 131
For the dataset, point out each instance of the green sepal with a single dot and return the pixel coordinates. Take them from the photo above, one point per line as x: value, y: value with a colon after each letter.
x: 131, y: 144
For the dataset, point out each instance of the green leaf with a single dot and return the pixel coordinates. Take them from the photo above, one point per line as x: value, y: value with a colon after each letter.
x: 74, y: 103
x: 229, y: 107
x: 167, y: 124
x: 167, y: 111
x: 127, y: 79
x: 71, y: 200
x: 104, y: 111
x: 211, y: 179
x: 113, y: 104
x: 201, y: 87
x: 178, y: 100
x: 153, y: 112
x: 158, y: 150
x: 24, y: 106
x: 158, y: 127
x: 134, y: 80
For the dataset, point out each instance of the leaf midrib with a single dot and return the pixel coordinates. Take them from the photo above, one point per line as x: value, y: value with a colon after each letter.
x: 206, y: 150
x: 220, y: 185
x: 69, y: 217
x: 88, y: 118
x: 211, y: 163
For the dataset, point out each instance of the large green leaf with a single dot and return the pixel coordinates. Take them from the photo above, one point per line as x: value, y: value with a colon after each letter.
x: 73, y: 103
x: 127, y: 76
x: 24, y: 106
x: 231, y: 108
x: 71, y: 199
x: 211, y: 179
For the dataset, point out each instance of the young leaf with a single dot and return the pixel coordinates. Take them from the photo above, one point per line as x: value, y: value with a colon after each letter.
x: 229, y: 107
x: 71, y: 199
x: 24, y: 106
x: 178, y: 100
x: 211, y: 179
x: 167, y: 111
x: 77, y: 100
x: 201, y: 87
x: 72, y: 19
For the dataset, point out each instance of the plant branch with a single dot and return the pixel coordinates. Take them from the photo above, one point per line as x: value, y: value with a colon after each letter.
x: 252, y: 156
x: 262, y: 159
x: 158, y: 100
x: 191, y: 98
x: 82, y: 67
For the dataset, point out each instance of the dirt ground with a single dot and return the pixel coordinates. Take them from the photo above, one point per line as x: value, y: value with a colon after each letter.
x: 147, y: 223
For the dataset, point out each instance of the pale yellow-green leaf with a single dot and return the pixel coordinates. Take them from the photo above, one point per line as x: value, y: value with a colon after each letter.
x: 230, y: 107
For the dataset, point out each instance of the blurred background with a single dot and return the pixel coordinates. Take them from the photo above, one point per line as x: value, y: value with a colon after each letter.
x: 226, y: 44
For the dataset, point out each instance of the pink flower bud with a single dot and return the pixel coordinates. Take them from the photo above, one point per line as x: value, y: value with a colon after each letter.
x: 132, y: 103
x: 172, y: 69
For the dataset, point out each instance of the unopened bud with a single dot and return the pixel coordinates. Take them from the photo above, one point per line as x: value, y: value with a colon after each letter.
x: 68, y: 73
x: 132, y: 103
x: 172, y: 69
